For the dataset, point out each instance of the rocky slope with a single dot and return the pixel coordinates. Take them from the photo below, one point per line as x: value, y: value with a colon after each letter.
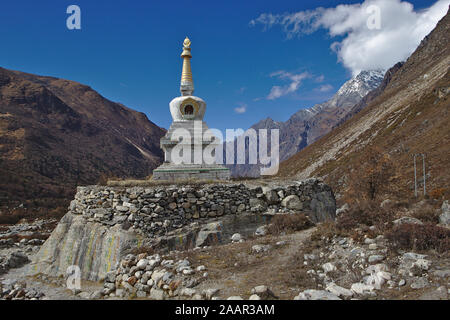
x: 56, y: 134
x: 409, y: 116
x: 307, y: 125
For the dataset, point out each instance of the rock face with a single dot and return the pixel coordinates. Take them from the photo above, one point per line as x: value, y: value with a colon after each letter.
x: 106, y: 223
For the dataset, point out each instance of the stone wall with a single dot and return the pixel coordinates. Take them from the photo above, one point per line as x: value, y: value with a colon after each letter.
x: 105, y: 223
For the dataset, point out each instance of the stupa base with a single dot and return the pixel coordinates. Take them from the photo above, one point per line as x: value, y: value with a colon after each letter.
x: 172, y: 172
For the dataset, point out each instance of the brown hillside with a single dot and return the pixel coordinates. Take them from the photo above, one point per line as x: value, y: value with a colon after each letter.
x: 56, y: 134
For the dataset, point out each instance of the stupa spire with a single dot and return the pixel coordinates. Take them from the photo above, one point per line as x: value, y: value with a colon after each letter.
x: 187, y: 84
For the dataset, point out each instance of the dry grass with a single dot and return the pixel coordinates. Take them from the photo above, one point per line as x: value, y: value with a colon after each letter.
x: 288, y: 223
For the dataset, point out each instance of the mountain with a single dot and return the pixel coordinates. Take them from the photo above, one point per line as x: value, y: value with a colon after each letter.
x: 56, y: 134
x: 409, y: 115
x: 307, y: 125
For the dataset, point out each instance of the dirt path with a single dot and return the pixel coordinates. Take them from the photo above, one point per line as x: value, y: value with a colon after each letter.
x: 235, y: 270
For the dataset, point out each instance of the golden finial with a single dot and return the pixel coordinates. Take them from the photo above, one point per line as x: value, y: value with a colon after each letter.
x: 187, y: 84
x: 187, y: 43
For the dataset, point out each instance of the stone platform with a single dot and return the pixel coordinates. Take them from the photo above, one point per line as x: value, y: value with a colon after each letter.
x: 171, y: 172
x: 103, y: 224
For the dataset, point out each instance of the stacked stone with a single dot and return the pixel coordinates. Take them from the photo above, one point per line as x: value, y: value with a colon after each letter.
x: 15, y: 290
x: 159, y: 210
x: 151, y: 276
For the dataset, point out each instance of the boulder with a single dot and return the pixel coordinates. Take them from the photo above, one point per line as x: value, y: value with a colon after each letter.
x: 271, y: 195
x: 209, y: 234
x: 312, y: 294
x: 292, y: 202
x: 339, y: 291
x: 406, y: 220
x: 444, y: 218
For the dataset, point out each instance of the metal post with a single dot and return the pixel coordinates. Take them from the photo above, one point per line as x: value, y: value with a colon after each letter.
x: 424, y: 176
x: 415, y: 178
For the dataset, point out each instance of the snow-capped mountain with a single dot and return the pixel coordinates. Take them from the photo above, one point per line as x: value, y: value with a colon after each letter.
x: 307, y: 125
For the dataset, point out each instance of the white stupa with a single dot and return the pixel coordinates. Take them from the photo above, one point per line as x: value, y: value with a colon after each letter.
x: 184, y: 143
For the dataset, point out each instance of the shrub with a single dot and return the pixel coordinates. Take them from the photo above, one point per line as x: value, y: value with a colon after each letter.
x: 289, y: 223
x: 372, y: 177
x: 144, y: 249
x: 437, y: 193
x: 427, y: 214
x: 419, y: 237
x: 365, y: 213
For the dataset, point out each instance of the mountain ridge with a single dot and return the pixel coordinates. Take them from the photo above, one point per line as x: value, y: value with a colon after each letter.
x: 57, y: 133
x: 307, y: 125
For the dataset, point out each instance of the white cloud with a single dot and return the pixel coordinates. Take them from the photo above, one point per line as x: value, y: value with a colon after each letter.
x: 295, y: 81
x: 325, y: 88
x: 241, y: 109
x: 364, y: 46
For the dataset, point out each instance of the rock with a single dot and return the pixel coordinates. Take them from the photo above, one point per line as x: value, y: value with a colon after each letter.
x: 385, y: 203
x: 420, y: 283
x: 16, y: 259
x: 257, y: 204
x: 208, y: 234
x: 373, y: 246
x: 236, y: 237
x: 157, y: 294
x: 422, y: 264
x: 442, y: 273
x: 110, y: 277
x: 187, y: 292
x: 142, y: 294
x: 328, y: 267
x: 292, y: 202
x: 369, y: 241
x: 407, y: 220
x: 122, y: 208
x: 339, y: 291
x: 271, y: 195
x: 132, y: 280
x: 235, y: 298
x: 264, y: 292
x: 209, y: 293
x: 376, y: 268
x: 361, y: 288
x: 84, y: 295
x: 375, y: 258
x: 258, y: 248
x: 254, y: 297
x: 377, y: 279
x: 413, y: 256
x: 261, y: 231
x: 312, y: 294
x: 200, y: 268
x: 142, y: 264
x: 342, y: 209
x: 158, y: 275
x: 96, y: 295
x: 444, y: 218
x: 401, y: 283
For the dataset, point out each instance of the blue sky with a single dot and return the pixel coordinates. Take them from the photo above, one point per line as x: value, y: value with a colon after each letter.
x: 129, y: 51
